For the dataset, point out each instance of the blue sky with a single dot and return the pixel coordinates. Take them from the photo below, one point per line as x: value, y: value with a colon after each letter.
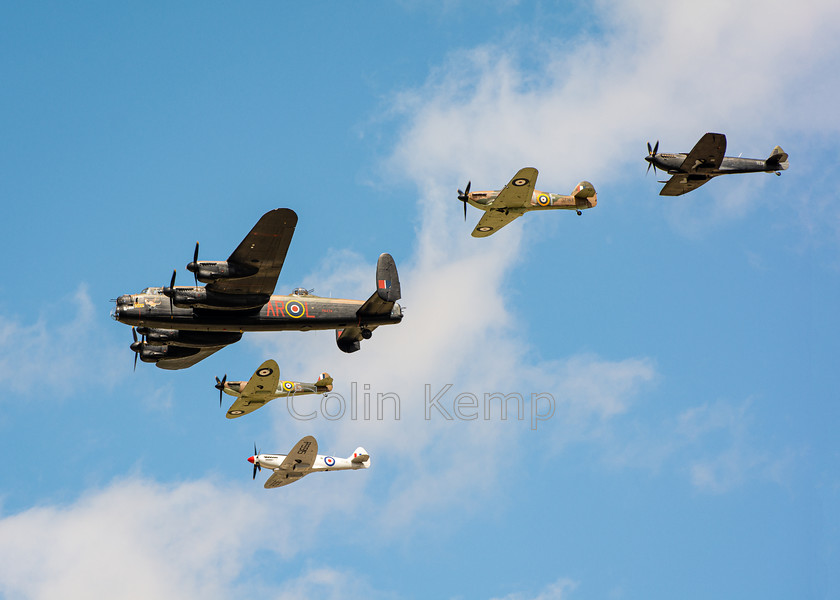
x: 690, y: 344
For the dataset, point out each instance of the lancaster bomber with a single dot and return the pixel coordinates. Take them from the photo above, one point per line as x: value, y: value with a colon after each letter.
x: 706, y: 160
x: 181, y: 325
x: 519, y: 197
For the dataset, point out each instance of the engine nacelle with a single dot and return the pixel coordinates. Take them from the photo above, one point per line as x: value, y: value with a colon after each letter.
x: 210, y: 271
x: 190, y: 339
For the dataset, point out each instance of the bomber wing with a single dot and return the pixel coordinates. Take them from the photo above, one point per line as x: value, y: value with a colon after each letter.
x: 182, y: 362
x: 259, y: 390
x: 296, y: 464
x: 519, y: 191
x: 265, y: 248
x: 493, y: 220
x: 681, y: 183
x: 706, y: 154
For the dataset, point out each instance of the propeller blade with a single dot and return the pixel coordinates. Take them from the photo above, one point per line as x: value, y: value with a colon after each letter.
x: 656, y: 147
x: 195, y: 264
x: 647, y: 170
x: 220, y: 385
x: 134, y: 335
x: 464, y: 196
x: 650, y: 150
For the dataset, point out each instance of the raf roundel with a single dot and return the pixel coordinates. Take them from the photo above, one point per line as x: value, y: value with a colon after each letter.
x: 235, y: 412
x: 520, y: 182
x: 485, y: 229
x: 329, y: 461
x: 543, y: 200
x: 294, y: 309
x: 265, y: 372
x: 288, y: 386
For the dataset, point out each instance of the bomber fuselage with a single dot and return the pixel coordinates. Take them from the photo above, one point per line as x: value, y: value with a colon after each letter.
x: 295, y: 312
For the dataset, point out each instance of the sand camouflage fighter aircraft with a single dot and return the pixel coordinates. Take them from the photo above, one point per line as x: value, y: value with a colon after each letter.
x: 706, y: 160
x: 183, y: 325
x: 264, y: 386
x: 303, y: 460
x: 519, y: 197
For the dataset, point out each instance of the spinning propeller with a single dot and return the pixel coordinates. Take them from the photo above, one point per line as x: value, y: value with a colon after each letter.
x: 464, y: 196
x: 169, y: 292
x: 193, y: 266
x: 650, y: 156
x: 256, y: 462
x: 220, y: 385
x: 136, y: 346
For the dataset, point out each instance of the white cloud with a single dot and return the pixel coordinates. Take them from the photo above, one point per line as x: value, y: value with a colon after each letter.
x: 59, y: 351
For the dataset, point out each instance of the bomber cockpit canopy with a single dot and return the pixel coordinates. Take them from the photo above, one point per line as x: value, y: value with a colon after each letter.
x: 302, y: 292
x: 152, y: 290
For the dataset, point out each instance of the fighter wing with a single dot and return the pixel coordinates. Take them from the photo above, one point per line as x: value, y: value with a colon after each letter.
x: 706, y: 154
x: 259, y: 390
x: 263, y: 381
x: 296, y: 464
x: 519, y: 191
x: 493, y: 220
x: 681, y: 183
x: 265, y: 248
x: 182, y: 362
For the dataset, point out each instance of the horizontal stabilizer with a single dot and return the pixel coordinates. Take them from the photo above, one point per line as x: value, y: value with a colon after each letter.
x: 778, y: 159
x: 583, y: 190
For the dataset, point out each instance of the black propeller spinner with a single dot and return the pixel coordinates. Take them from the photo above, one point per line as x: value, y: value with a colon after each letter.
x: 649, y: 158
x: 220, y: 385
x: 464, y: 196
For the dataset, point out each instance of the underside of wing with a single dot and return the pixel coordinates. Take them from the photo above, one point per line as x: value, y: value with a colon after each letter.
x: 280, y: 478
x: 265, y: 248
x: 493, y: 220
x: 519, y: 191
x: 706, y: 154
x: 244, y: 406
x: 681, y: 183
x: 302, y: 456
x: 182, y: 362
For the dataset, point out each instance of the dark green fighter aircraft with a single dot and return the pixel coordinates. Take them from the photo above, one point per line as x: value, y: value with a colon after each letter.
x: 706, y: 160
x: 183, y: 325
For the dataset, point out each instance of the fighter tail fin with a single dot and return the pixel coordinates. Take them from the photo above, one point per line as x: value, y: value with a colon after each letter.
x: 778, y: 159
x: 583, y: 190
x: 325, y: 381
x: 361, y: 457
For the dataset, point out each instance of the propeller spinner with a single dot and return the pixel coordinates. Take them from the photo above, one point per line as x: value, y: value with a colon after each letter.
x: 256, y: 460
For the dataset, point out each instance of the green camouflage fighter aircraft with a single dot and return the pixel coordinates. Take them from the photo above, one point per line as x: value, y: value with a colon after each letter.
x: 183, y: 325
x: 264, y: 386
x: 706, y: 160
x: 519, y: 197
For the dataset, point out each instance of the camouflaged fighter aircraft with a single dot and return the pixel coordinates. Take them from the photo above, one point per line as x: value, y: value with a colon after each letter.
x: 264, y: 386
x: 183, y: 325
x: 519, y: 197
x: 303, y: 460
x: 706, y: 160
